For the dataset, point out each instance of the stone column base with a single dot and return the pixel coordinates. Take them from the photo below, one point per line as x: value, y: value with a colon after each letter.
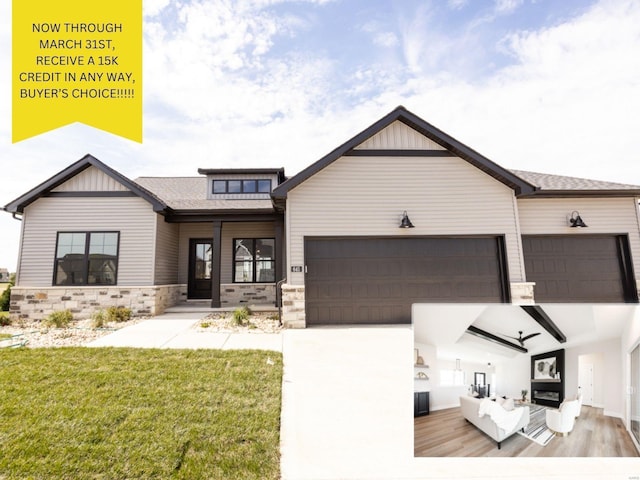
x: 293, y: 312
x: 522, y: 293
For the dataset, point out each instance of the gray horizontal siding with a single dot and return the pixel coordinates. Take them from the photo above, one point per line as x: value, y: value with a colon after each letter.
x: 367, y: 195
x: 132, y: 217
x: 167, y: 241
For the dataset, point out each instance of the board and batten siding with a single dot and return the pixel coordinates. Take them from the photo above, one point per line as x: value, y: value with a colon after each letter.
x: 91, y: 179
x: 366, y: 196
x: 131, y: 216
x: 167, y: 241
x: 399, y: 136
x: 230, y: 230
x: 550, y: 216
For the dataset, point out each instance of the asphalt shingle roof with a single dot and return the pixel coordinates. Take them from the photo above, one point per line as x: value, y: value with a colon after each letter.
x: 561, y: 183
x: 190, y: 193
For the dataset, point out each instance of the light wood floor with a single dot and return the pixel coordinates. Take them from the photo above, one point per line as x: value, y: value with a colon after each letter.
x: 445, y: 433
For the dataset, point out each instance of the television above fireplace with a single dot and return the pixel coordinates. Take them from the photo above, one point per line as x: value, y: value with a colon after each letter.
x: 547, y: 378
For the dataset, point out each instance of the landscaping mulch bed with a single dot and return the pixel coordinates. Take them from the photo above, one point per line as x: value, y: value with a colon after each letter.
x: 78, y: 333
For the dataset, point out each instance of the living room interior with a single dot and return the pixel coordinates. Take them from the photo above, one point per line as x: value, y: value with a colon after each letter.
x: 528, y: 380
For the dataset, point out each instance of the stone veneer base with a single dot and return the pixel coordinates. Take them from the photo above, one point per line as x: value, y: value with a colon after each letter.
x: 36, y: 303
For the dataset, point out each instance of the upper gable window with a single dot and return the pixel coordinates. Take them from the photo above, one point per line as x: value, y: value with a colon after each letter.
x: 241, y: 186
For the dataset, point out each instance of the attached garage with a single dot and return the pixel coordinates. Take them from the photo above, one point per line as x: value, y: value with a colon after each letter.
x: 367, y: 280
x: 580, y: 268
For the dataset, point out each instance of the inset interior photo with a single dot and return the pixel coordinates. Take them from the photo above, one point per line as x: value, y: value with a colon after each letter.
x: 549, y: 380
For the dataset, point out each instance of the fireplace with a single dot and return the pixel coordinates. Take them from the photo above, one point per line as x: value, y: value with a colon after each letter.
x: 547, y: 378
x: 546, y: 395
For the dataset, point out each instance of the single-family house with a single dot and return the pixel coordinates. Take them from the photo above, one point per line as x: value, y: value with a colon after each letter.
x: 401, y: 213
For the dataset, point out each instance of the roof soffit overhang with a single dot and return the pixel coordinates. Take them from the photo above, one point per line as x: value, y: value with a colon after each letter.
x: 18, y: 205
x: 517, y: 184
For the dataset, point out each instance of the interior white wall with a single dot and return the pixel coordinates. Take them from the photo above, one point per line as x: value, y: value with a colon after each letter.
x: 441, y: 397
x: 612, y: 378
x: 428, y: 354
x: 630, y: 337
x: 597, y: 360
x: 514, y: 376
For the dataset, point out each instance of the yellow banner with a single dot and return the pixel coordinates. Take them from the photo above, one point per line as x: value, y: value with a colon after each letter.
x: 77, y: 61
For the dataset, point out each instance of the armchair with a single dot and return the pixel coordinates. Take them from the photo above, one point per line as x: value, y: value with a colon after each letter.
x: 561, y: 421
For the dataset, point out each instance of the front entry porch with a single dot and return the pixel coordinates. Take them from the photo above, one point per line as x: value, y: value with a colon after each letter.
x: 231, y: 263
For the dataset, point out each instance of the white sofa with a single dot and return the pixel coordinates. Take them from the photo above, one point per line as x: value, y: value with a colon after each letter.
x: 470, y: 407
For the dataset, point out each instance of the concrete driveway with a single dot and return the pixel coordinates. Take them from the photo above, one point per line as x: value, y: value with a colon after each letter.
x: 348, y: 404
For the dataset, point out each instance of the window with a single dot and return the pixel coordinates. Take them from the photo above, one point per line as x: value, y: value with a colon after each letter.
x: 254, y: 260
x: 451, y: 378
x: 241, y: 186
x: 86, y: 258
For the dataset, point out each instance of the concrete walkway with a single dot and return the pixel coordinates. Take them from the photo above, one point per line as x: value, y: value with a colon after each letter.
x: 174, y: 330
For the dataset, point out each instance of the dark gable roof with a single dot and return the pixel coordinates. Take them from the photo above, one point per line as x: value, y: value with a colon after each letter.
x: 519, y: 185
x: 44, y: 189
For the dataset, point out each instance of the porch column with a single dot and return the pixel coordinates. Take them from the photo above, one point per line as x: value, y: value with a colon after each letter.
x: 278, y: 226
x: 216, y: 264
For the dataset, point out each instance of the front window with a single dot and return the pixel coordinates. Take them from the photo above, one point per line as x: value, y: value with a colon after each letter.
x: 86, y: 258
x: 254, y: 260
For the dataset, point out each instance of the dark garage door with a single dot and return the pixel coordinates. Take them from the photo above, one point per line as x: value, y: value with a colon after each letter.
x: 375, y: 280
x: 584, y: 268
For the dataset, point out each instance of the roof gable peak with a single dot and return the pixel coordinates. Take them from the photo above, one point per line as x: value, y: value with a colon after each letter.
x: 47, y: 187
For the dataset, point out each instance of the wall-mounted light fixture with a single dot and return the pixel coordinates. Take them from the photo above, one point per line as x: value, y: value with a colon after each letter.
x: 576, y: 221
x: 458, y: 364
x: 405, y: 222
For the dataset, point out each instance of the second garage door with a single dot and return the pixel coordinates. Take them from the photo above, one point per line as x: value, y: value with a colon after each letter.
x: 580, y: 268
x: 376, y: 280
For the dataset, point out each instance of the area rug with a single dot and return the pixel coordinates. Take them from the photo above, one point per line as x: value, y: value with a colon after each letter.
x: 537, y: 430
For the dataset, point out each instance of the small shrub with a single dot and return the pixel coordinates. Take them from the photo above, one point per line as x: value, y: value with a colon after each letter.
x: 59, y: 319
x: 98, y: 319
x: 241, y: 315
x: 4, y: 319
x: 205, y: 324
x: 118, y: 314
x: 5, y: 296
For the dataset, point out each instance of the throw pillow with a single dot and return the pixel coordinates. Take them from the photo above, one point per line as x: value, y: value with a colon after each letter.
x: 500, y: 400
x: 508, y: 404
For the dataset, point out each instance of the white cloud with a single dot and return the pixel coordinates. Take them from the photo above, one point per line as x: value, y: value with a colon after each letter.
x: 507, y: 6
x: 457, y: 4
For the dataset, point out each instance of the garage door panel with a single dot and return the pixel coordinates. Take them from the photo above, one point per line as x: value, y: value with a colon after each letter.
x: 385, y: 276
x: 579, y: 268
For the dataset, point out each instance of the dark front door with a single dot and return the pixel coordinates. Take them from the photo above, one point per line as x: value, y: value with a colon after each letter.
x: 580, y: 268
x: 200, y: 256
x: 376, y: 280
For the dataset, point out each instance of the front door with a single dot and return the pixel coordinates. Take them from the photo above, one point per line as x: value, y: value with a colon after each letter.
x: 200, y: 255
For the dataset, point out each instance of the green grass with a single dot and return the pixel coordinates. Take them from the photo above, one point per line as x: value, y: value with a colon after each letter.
x: 127, y: 413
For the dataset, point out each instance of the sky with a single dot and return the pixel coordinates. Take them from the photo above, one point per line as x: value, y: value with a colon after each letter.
x: 548, y: 86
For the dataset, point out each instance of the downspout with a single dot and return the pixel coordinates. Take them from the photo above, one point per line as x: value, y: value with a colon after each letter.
x: 15, y: 217
x: 279, y: 299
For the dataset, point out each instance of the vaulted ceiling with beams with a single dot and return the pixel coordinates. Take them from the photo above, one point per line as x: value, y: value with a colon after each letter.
x: 490, y: 333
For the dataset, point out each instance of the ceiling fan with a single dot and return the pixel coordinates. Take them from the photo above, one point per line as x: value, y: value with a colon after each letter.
x: 522, y: 339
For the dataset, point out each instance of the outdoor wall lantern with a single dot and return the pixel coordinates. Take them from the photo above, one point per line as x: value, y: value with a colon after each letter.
x: 576, y: 221
x: 405, y: 223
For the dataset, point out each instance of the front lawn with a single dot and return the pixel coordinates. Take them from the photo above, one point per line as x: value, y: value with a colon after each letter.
x: 131, y: 413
